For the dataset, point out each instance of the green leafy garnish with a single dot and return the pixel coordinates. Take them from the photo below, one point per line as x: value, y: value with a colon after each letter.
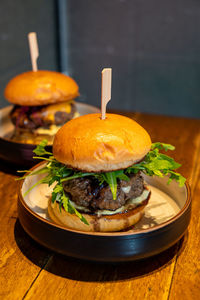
x: 111, y: 179
x: 59, y: 195
x: 162, y: 146
x: 154, y: 164
x: 159, y: 164
x: 40, y: 149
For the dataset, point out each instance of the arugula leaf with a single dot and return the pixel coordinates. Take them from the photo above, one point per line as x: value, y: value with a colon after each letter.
x: 40, y: 149
x: 177, y: 177
x: 111, y: 179
x: 73, y: 210
x: 77, y: 175
x: 40, y: 171
x: 43, y: 180
x: 64, y: 201
x: 44, y: 158
x: 162, y: 146
x: 159, y: 164
x: 120, y: 174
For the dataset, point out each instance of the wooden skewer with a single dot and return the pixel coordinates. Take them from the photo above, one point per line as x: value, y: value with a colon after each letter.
x: 105, y: 90
x: 33, y: 46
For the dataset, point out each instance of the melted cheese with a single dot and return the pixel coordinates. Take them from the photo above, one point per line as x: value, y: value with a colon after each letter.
x: 76, y: 115
x: 50, y: 131
x: 50, y: 110
x: 53, y: 128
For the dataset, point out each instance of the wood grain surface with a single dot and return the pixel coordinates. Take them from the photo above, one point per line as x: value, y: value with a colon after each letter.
x: 29, y: 271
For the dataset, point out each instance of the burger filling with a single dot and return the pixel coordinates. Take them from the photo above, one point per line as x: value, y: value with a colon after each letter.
x: 104, y: 193
x: 88, y: 195
x: 34, y: 117
x: 129, y: 205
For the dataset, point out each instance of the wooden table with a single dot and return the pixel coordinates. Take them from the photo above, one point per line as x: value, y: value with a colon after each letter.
x: 29, y: 271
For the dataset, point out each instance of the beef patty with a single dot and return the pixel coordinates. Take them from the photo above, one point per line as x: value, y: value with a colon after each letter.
x: 88, y: 193
x: 33, y: 117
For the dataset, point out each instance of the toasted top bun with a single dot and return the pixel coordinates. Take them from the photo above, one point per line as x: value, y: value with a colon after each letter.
x: 91, y: 144
x: 40, y: 88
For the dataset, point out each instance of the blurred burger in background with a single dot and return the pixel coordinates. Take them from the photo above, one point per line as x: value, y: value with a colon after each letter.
x: 43, y: 102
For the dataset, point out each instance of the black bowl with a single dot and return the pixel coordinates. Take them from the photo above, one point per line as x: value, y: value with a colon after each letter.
x: 163, y: 230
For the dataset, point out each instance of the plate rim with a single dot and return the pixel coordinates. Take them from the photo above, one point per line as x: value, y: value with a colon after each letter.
x: 137, y: 233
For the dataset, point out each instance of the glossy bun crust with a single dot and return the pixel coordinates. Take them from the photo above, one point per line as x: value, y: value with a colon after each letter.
x: 40, y: 88
x: 91, y: 144
x: 105, y: 223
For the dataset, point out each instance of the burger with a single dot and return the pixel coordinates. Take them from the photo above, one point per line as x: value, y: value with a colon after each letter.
x: 43, y: 101
x: 101, y: 148
x: 96, y: 172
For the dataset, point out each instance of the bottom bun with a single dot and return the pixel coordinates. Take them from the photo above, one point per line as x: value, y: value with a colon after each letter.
x: 104, y: 223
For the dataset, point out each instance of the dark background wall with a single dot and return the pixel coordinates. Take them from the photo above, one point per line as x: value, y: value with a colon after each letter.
x: 17, y: 19
x: 152, y: 46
